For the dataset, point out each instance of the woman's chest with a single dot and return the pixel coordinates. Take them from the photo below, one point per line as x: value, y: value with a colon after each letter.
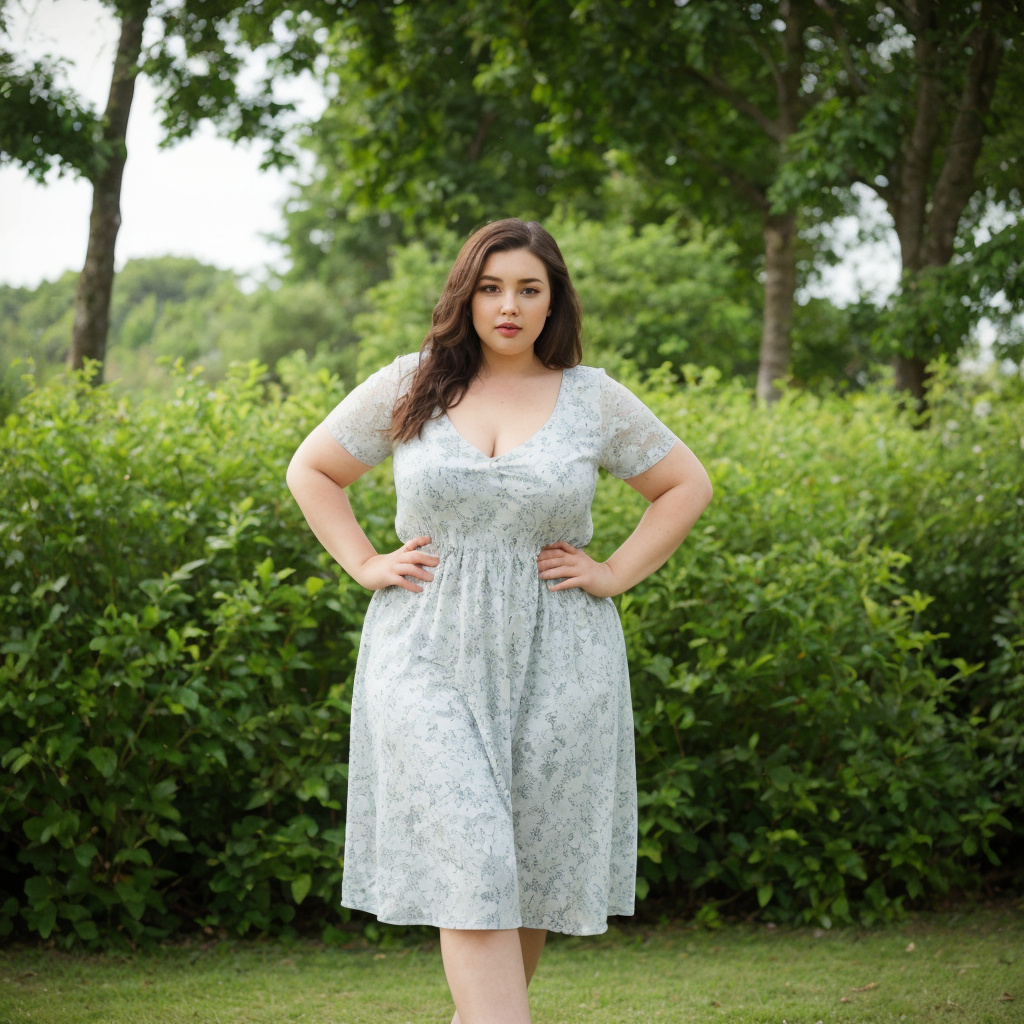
x: 499, y: 417
x: 555, y: 468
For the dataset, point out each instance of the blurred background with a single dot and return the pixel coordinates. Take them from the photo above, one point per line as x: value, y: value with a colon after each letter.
x: 795, y: 229
x: 744, y: 184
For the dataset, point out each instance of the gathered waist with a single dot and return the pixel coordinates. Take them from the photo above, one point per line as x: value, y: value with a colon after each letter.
x: 495, y: 547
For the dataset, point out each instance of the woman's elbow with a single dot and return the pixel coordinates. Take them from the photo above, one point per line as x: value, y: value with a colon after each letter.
x: 293, y: 473
x: 707, y: 490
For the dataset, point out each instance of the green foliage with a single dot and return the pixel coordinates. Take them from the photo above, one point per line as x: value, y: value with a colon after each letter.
x: 828, y: 676
x: 34, y: 324
x: 201, y: 61
x: 400, y: 307
x: 663, y: 292
x: 43, y: 124
x: 410, y: 135
x: 807, y: 730
x: 667, y: 292
x: 833, y: 346
x: 937, y: 308
x: 177, y: 657
x: 168, y: 308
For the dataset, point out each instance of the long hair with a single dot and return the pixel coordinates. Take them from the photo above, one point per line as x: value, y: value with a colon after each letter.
x: 451, y: 354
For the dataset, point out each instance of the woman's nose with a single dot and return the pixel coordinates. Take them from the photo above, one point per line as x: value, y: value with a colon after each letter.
x: 509, y: 305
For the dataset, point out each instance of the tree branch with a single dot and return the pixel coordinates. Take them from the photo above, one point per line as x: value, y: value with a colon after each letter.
x: 918, y: 148
x: 757, y: 197
x: 956, y: 179
x: 791, y: 108
x: 768, y: 59
x: 843, y: 44
x: 477, y: 145
x: 717, y: 84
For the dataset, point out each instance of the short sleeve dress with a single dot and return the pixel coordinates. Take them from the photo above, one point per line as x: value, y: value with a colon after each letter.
x: 492, y: 773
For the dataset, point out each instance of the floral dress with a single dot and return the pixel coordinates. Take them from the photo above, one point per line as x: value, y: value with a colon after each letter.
x: 492, y: 774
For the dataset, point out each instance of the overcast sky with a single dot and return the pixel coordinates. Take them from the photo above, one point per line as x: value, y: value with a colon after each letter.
x: 204, y: 197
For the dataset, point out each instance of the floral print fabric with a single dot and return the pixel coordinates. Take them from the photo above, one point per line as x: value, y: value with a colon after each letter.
x: 492, y: 776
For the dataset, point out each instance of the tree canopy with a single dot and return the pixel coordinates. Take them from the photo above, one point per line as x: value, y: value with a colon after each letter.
x: 743, y: 114
x: 750, y: 122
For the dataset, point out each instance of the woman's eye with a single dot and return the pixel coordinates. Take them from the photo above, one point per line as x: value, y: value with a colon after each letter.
x: 530, y: 291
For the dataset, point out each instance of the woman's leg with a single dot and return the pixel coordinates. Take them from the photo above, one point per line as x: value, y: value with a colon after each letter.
x: 488, y: 972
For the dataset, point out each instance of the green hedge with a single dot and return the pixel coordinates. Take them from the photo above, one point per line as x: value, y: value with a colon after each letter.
x: 178, y: 653
x: 828, y: 678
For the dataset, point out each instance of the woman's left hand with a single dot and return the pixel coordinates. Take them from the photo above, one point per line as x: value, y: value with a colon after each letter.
x: 580, y: 570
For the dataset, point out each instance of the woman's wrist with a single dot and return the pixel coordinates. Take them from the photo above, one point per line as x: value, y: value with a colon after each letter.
x: 358, y: 572
x: 618, y: 581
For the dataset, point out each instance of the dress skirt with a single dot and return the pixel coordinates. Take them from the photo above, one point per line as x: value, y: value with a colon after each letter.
x: 492, y: 773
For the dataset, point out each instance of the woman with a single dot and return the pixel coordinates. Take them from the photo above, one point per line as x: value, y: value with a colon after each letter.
x: 492, y: 786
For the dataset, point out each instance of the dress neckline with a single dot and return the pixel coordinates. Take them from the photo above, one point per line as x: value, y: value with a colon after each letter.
x: 554, y: 412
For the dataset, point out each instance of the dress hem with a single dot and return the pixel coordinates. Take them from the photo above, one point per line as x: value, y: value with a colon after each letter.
x: 433, y: 922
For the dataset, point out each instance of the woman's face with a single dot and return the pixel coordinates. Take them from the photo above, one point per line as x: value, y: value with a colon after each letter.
x: 511, y: 302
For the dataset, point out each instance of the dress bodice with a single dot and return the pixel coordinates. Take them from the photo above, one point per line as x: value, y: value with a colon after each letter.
x: 539, y: 492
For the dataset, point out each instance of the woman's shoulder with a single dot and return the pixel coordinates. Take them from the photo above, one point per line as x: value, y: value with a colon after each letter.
x: 399, y: 372
x: 587, y: 386
x: 613, y: 397
x: 596, y: 380
x: 403, y: 364
x: 591, y: 374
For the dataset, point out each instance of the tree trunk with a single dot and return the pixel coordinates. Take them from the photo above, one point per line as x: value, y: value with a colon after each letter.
x: 926, y: 224
x: 92, y: 300
x: 911, y: 207
x: 910, y: 375
x: 779, y: 289
x: 780, y: 229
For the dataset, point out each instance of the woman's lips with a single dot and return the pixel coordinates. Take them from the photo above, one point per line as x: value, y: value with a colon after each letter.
x: 509, y: 330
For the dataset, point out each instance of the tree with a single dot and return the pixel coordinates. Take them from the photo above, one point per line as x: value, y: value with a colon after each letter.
x: 92, y: 300
x: 697, y: 100
x: 409, y: 146
x: 44, y: 125
x: 715, y: 104
x: 705, y: 95
x: 930, y: 119
x: 195, y: 61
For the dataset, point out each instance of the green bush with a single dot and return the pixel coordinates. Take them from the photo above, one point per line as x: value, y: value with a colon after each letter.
x: 177, y: 657
x: 812, y: 744
x: 808, y: 727
x: 666, y: 292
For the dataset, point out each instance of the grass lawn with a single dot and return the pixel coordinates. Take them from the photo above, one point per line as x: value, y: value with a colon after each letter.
x: 962, y: 965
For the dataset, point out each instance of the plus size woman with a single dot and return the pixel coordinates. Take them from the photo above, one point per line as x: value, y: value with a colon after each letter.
x: 492, y: 781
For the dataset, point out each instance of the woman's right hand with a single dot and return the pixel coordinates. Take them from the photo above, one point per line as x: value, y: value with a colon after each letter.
x: 390, y: 569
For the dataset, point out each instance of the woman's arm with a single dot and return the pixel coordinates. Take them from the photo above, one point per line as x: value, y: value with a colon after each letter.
x: 317, y: 476
x: 679, y: 489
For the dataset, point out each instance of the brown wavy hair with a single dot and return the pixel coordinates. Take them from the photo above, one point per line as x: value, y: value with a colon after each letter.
x: 451, y: 354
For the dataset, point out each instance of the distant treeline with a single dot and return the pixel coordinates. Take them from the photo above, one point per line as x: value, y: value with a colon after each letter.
x: 674, y: 292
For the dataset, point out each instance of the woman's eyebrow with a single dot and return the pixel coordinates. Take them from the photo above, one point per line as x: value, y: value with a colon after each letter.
x: 522, y: 280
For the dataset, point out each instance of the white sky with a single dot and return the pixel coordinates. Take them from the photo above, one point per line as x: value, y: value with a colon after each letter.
x: 206, y: 197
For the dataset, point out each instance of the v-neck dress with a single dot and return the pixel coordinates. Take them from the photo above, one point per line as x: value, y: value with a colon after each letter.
x: 492, y: 773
